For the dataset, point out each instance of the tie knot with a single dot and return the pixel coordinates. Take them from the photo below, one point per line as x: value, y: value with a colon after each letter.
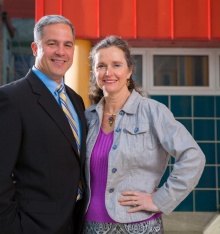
x: 60, y: 88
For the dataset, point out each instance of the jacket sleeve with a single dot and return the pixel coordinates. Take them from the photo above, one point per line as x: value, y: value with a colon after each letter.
x: 189, y: 161
x: 10, y: 138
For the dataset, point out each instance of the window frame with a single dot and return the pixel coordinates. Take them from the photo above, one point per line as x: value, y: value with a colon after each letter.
x: 148, y: 82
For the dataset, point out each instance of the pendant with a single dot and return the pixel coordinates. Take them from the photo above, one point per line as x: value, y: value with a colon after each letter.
x: 111, y: 120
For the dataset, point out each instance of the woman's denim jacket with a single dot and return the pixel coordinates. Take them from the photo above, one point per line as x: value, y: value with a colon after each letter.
x: 145, y: 135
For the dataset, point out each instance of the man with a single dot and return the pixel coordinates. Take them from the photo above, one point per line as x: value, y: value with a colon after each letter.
x: 41, y: 157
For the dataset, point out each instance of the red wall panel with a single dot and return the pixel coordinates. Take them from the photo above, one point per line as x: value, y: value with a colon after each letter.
x: 139, y: 19
x: 39, y: 8
x: 84, y: 15
x: 215, y: 19
x: 52, y: 7
x: 191, y: 19
x: 154, y: 19
x: 47, y: 7
x: 117, y: 17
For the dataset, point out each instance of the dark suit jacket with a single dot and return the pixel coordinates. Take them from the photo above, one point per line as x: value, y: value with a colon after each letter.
x: 37, y: 147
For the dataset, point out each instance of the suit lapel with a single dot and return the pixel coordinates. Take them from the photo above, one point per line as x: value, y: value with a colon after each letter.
x: 50, y: 105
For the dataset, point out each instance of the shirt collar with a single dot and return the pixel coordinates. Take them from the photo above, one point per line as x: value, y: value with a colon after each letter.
x: 50, y: 84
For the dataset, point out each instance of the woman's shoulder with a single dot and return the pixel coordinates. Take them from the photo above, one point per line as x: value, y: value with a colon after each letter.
x: 149, y: 103
x: 90, y: 111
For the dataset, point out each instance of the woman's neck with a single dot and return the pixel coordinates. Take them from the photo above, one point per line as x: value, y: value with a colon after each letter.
x: 114, y: 102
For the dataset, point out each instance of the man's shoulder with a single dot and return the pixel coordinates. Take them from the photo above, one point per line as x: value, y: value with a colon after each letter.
x: 18, y: 87
x: 13, y: 86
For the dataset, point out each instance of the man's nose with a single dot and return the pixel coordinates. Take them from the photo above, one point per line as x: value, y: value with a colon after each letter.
x: 60, y: 50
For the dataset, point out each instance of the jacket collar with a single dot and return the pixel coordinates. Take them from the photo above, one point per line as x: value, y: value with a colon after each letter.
x: 130, y: 106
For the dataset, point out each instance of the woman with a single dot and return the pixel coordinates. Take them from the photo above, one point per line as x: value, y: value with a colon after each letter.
x: 129, y: 141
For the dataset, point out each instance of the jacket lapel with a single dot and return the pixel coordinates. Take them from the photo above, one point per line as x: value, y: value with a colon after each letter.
x: 50, y: 105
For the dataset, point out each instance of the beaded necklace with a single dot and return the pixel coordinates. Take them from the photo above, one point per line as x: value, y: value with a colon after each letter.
x: 110, y: 118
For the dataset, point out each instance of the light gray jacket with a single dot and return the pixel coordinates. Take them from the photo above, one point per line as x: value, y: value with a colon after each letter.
x: 145, y: 136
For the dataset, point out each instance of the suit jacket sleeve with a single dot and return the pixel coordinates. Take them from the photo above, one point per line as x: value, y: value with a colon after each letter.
x: 10, y: 138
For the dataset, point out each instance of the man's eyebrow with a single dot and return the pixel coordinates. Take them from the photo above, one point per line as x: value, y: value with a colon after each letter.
x: 69, y: 42
x: 54, y: 40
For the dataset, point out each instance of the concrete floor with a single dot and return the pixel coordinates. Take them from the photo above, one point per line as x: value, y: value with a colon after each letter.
x: 176, y: 232
x: 191, y: 223
x: 183, y: 232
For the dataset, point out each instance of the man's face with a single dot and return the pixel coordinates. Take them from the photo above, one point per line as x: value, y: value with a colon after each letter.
x: 54, y: 53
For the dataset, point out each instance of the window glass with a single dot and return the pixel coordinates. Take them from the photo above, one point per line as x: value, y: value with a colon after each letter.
x: 180, y: 70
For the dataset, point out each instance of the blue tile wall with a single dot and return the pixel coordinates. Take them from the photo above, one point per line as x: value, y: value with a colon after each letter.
x: 204, y: 106
x: 186, y: 204
x: 218, y: 130
x: 208, y: 178
x: 217, y: 104
x: 204, y: 130
x: 187, y: 123
x: 181, y: 106
x: 218, y: 154
x: 205, y: 200
x: 209, y: 151
x: 162, y: 99
x: 218, y: 171
x: 201, y: 117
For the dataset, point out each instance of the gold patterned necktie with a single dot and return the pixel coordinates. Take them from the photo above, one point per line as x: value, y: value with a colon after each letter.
x: 66, y: 110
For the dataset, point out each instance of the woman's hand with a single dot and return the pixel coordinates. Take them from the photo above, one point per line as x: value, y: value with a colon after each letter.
x: 139, y: 201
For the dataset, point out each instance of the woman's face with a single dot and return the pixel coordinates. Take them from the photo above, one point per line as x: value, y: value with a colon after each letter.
x: 111, y: 70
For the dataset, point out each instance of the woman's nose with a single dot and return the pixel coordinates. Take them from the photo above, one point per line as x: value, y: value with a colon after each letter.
x: 108, y: 71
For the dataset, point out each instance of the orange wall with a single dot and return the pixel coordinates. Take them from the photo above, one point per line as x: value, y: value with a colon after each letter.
x: 139, y: 19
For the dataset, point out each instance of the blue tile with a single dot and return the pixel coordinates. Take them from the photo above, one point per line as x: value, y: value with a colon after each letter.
x: 187, y: 123
x: 172, y: 160
x: 181, y: 106
x: 204, y: 130
x: 161, y: 98
x: 186, y: 204
x: 209, y: 151
x: 219, y: 178
x: 218, y: 205
x: 208, y: 178
x: 218, y: 130
x: 204, y: 106
x: 205, y: 201
x: 165, y: 176
x: 217, y: 106
x: 218, y: 155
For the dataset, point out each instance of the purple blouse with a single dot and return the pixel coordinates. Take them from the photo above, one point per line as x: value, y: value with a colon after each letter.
x: 98, y: 171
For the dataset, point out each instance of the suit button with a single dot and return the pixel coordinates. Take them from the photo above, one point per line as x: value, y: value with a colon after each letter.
x: 121, y: 112
x: 114, y: 170
x: 111, y: 190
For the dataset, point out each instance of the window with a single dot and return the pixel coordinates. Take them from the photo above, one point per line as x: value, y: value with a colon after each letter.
x: 180, y: 70
x: 177, y: 71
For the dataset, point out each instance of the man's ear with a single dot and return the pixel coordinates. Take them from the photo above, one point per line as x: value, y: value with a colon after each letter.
x: 34, y: 48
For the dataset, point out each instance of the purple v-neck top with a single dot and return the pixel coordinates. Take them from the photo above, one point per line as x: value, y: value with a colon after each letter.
x: 98, y: 171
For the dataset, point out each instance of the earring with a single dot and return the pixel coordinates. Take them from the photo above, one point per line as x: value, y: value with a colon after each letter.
x: 128, y: 82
